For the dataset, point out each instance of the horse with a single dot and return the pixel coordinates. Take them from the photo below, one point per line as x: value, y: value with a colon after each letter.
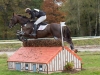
x: 53, y: 29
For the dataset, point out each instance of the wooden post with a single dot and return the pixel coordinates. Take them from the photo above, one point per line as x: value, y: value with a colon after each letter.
x: 21, y: 31
x: 62, y: 24
x: 47, y: 68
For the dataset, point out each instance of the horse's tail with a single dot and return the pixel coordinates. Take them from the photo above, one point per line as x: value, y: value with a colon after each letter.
x: 67, y: 32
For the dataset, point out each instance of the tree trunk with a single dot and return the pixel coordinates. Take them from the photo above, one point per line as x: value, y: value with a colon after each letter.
x: 78, y: 24
x: 96, y: 12
x: 89, y: 25
x: 99, y: 19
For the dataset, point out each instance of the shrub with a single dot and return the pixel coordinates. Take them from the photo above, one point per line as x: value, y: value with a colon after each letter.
x: 69, y: 65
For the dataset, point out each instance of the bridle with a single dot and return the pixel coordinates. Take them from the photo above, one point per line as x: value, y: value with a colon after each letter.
x: 13, y: 22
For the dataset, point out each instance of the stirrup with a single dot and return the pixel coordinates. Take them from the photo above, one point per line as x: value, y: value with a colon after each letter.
x: 33, y: 34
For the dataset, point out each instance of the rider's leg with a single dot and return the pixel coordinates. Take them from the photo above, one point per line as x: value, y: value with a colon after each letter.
x: 39, y: 20
x: 35, y: 29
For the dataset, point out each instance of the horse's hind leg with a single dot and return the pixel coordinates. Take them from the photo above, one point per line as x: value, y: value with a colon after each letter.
x: 69, y: 40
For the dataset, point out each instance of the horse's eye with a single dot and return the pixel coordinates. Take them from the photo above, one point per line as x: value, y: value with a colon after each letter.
x: 12, y: 20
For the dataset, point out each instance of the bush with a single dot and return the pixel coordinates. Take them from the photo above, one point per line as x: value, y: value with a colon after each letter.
x: 69, y: 65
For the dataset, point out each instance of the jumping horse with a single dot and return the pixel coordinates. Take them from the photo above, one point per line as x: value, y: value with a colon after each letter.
x: 52, y: 29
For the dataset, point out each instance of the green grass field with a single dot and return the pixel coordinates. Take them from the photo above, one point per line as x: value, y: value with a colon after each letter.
x: 91, y: 66
x: 87, y: 42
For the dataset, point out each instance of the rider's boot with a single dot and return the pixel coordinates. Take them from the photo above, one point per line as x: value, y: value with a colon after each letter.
x: 35, y: 30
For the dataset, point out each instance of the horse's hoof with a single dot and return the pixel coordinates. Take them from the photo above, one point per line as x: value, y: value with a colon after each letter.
x: 75, y: 50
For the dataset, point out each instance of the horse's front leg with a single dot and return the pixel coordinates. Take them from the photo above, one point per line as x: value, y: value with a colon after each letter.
x: 20, y: 32
x: 20, y: 35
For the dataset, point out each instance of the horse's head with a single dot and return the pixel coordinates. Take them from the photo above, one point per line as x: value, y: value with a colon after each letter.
x: 13, y: 21
x: 17, y: 19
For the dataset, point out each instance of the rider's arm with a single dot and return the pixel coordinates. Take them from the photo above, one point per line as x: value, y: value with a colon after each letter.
x: 32, y: 15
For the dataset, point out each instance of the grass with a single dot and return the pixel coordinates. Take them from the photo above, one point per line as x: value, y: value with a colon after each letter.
x: 91, y: 66
x: 86, y: 42
x: 9, y: 47
x: 14, y: 40
x: 14, y: 45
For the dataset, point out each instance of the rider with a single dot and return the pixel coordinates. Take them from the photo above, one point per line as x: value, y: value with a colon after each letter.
x: 36, y: 13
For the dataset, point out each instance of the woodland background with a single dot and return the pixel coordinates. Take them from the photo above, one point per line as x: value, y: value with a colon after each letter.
x: 82, y: 16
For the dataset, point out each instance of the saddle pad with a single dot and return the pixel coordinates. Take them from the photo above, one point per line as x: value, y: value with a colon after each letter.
x: 42, y: 27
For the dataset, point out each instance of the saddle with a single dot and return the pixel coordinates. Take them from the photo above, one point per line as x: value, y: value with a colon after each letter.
x: 42, y: 24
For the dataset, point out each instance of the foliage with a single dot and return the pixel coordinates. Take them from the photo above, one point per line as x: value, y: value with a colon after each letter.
x: 69, y: 66
x: 83, y: 16
x: 7, y: 7
x: 54, y: 15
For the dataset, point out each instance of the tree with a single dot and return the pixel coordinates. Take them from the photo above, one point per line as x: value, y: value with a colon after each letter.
x: 54, y: 15
x: 72, y: 8
x: 7, y: 7
x: 83, y: 17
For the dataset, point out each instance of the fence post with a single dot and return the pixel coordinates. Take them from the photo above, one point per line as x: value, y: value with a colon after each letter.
x: 62, y: 24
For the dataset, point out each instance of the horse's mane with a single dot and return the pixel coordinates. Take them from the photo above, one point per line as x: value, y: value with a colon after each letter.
x: 23, y: 16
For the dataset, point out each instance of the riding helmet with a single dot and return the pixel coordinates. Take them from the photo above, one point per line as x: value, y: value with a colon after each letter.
x: 27, y: 10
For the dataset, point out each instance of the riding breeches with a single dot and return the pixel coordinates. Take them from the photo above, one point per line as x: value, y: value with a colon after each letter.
x: 39, y: 20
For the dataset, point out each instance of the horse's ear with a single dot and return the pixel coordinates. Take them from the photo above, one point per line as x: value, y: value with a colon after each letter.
x: 14, y: 14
